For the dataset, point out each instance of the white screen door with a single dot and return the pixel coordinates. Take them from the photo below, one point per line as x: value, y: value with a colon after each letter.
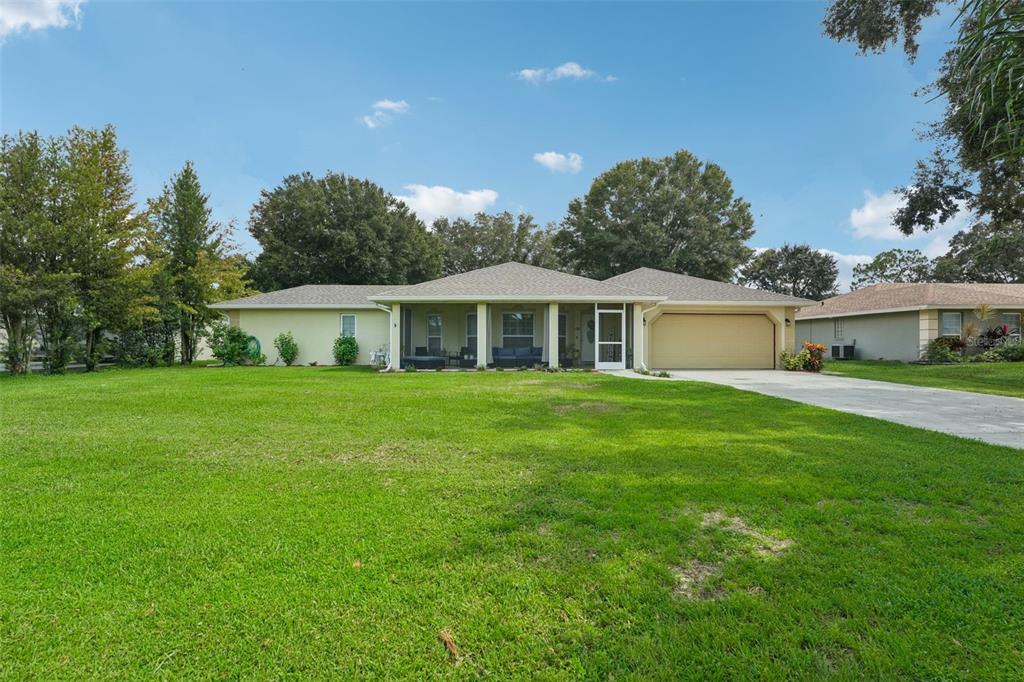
x: 611, y: 338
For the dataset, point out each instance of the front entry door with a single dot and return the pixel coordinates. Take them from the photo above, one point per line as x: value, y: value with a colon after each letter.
x: 587, y: 338
x: 611, y: 338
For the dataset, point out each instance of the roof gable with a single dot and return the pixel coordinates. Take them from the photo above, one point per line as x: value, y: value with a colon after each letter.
x: 310, y: 296
x: 896, y: 296
x: 515, y: 281
x: 684, y: 288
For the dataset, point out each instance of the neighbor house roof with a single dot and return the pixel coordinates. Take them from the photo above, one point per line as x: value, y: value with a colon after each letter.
x: 694, y: 290
x: 898, y: 297
x: 516, y: 282
x: 310, y: 296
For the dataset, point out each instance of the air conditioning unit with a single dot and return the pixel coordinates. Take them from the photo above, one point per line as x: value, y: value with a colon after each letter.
x: 842, y: 351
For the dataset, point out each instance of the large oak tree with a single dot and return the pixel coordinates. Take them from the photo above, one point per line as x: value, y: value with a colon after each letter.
x: 338, y: 230
x: 676, y: 213
x: 794, y: 269
x: 493, y: 239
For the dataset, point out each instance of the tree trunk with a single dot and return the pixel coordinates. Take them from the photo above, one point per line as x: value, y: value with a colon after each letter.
x: 187, y: 345
x: 92, y: 338
x: 18, y: 354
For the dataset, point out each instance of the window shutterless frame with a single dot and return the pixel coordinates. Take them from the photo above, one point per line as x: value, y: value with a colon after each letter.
x: 434, y: 329
x: 471, y: 332
x: 951, y: 324
x: 348, y: 324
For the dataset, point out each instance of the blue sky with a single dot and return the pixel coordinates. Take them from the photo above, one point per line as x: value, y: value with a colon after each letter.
x: 459, y: 106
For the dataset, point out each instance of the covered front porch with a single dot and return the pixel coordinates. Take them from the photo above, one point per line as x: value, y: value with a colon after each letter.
x: 514, y: 334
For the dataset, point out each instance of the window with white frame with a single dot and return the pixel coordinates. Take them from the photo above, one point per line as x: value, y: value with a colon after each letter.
x: 434, y: 334
x: 951, y: 324
x: 563, y: 328
x: 471, y: 332
x: 837, y: 328
x: 1012, y: 323
x: 517, y: 330
x: 348, y: 325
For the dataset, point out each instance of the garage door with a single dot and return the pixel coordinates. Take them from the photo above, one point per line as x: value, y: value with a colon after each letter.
x: 695, y: 341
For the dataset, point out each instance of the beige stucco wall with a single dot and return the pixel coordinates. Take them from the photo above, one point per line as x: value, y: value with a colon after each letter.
x: 314, y: 330
x: 784, y: 336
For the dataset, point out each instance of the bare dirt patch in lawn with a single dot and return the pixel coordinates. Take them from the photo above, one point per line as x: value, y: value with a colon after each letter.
x: 697, y: 579
x: 764, y: 543
x: 692, y: 580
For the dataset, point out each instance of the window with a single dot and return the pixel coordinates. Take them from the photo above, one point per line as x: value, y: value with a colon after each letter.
x: 1012, y: 323
x: 471, y: 332
x: 434, y: 334
x: 952, y: 324
x: 517, y: 330
x: 837, y: 328
x: 348, y: 325
x: 562, y: 328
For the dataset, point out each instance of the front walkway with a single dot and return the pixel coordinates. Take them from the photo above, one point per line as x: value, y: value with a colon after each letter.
x: 991, y: 418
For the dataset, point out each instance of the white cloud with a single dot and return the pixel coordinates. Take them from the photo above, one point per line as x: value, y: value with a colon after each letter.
x: 845, y: 263
x: 383, y: 111
x: 873, y: 220
x: 431, y: 202
x: 570, y: 70
x: 560, y: 163
x: 35, y: 15
x: 396, y: 106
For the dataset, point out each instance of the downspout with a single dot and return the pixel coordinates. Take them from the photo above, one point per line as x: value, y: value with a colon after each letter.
x: 391, y: 321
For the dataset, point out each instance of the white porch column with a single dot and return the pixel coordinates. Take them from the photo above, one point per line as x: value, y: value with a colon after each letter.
x: 552, y: 344
x: 483, y: 327
x: 395, y: 337
x: 639, y: 359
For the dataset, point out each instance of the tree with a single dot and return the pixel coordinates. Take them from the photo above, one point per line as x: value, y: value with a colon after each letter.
x: 104, y: 236
x: 984, y: 253
x: 493, y: 239
x: 981, y: 74
x: 199, y: 269
x: 895, y: 265
x: 794, y: 269
x: 338, y: 230
x: 675, y: 213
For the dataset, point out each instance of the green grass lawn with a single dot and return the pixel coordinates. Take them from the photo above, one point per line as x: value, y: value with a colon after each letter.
x: 1000, y: 378
x: 322, y: 522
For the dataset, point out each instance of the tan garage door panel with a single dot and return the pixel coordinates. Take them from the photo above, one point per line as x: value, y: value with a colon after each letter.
x: 696, y: 341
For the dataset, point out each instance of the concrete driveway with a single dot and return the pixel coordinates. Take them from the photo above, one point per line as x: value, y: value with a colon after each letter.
x: 990, y: 418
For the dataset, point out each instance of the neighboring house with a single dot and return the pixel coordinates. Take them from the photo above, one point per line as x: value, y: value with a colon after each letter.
x: 521, y: 314
x: 896, y: 321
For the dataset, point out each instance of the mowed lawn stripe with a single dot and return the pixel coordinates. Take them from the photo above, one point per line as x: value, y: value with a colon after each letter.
x: 332, y: 522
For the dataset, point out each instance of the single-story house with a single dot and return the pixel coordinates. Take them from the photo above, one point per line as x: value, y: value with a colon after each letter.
x: 514, y: 314
x: 896, y: 321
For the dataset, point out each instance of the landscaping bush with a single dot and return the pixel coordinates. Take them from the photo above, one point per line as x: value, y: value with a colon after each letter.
x: 232, y: 346
x: 143, y: 348
x: 988, y: 356
x: 346, y: 350
x: 286, y: 347
x: 1011, y: 351
x: 809, y: 359
x: 943, y: 350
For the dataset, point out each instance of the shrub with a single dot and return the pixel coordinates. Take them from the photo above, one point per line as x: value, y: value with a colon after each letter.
x: 142, y: 348
x: 988, y: 356
x: 941, y: 350
x: 1011, y: 351
x: 346, y: 350
x: 808, y: 359
x: 286, y: 347
x: 410, y: 367
x: 663, y: 375
x: 232, y: 346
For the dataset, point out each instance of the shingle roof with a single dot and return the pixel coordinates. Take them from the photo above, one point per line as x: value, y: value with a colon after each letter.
x: 514, y: 281
x: 896, y: 296
x: 311, y: 296
x: 683, y: 288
